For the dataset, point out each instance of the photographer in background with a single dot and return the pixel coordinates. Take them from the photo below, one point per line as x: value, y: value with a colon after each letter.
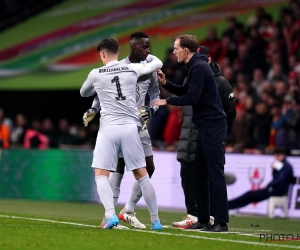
x: 282, y: 172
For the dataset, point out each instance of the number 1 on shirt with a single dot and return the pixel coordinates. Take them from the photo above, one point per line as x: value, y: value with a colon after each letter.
x: 120, y: 95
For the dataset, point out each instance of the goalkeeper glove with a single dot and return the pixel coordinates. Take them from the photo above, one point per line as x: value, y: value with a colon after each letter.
x: 88, y: 116
x: 146, y: 113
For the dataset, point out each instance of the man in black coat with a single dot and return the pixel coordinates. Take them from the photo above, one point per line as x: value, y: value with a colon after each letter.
x: 282, y: 172
x: 187, y: 144
x: 201, y: 92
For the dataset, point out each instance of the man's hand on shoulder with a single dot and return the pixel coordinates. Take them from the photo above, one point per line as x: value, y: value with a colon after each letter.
x: 88, y: 116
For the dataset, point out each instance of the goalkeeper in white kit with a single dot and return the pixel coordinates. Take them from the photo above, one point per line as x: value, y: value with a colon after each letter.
x: 115, y: 85
x: 139, y: 51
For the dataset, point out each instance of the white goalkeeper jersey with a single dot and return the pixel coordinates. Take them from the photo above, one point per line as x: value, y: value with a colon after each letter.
x: 146, y: 83
x: 115, y: 85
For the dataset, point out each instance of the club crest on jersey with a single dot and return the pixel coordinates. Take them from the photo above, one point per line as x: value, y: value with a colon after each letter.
x: 144, y: 77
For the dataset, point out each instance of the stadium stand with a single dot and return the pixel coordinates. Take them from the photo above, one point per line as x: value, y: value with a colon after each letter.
x: 257, y: 47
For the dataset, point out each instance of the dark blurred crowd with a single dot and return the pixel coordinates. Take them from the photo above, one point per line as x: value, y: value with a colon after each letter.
x: 22, y: 132
x: 14, y: 11
x: 260, y: 59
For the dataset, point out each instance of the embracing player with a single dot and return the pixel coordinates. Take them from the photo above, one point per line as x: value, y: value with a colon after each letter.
x: 139, y: 51
x: 118, y: 126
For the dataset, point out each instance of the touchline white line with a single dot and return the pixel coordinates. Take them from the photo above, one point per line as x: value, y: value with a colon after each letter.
x: 45, y: 220
x: 160, y: 233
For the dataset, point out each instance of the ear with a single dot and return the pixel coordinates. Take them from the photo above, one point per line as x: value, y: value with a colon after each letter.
x: 132, y: 44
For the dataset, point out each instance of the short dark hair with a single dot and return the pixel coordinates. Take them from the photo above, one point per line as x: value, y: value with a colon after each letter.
x: 138, y: 34
x: 188, y: 41
x: 110, y: 44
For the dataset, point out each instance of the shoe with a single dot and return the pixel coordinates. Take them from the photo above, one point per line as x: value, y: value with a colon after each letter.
x: 156, y: 225
x: 198, y: 225
x: 120, y: 227
x: 111, y: 222
x: 103, y: 222
x: 131, y: 219
x: 188, y: 221
x: 215, y: 228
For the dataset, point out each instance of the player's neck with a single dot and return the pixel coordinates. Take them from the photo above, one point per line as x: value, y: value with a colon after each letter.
x: 109, y: 59
x: 133, y: 59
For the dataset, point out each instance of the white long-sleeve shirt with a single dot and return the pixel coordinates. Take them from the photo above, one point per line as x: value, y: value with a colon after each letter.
x: 115, y: 85
x: 146, y: 84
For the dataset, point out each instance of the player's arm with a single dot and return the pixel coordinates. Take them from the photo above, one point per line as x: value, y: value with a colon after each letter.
x: 87, y: 88
x: 96, y: 104
x: 91, y: 113
x: 153, y: 90
x: 143, y: 69
x: 147, y: 112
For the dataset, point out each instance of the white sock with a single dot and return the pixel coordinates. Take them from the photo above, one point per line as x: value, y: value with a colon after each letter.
x: 134, y: 197
x: 149, y: 196
x: 106, y: 195
x: 115, y: 183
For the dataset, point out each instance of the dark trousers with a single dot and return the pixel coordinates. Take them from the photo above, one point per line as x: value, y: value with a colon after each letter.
x: 250, y: 197
x: 209, y: 167
x: 188, y: 186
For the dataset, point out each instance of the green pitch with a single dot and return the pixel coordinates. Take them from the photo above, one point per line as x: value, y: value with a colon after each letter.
x: 52, y: 225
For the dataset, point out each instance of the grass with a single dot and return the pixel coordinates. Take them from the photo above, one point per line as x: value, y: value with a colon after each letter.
x: 51, y: 225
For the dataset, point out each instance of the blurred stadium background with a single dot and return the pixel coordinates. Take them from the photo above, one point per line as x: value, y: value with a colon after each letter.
x: 47, y: 49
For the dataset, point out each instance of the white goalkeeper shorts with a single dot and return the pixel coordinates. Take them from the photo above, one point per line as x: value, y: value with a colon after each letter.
x: 146, y: 142
x: 113, y: 139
